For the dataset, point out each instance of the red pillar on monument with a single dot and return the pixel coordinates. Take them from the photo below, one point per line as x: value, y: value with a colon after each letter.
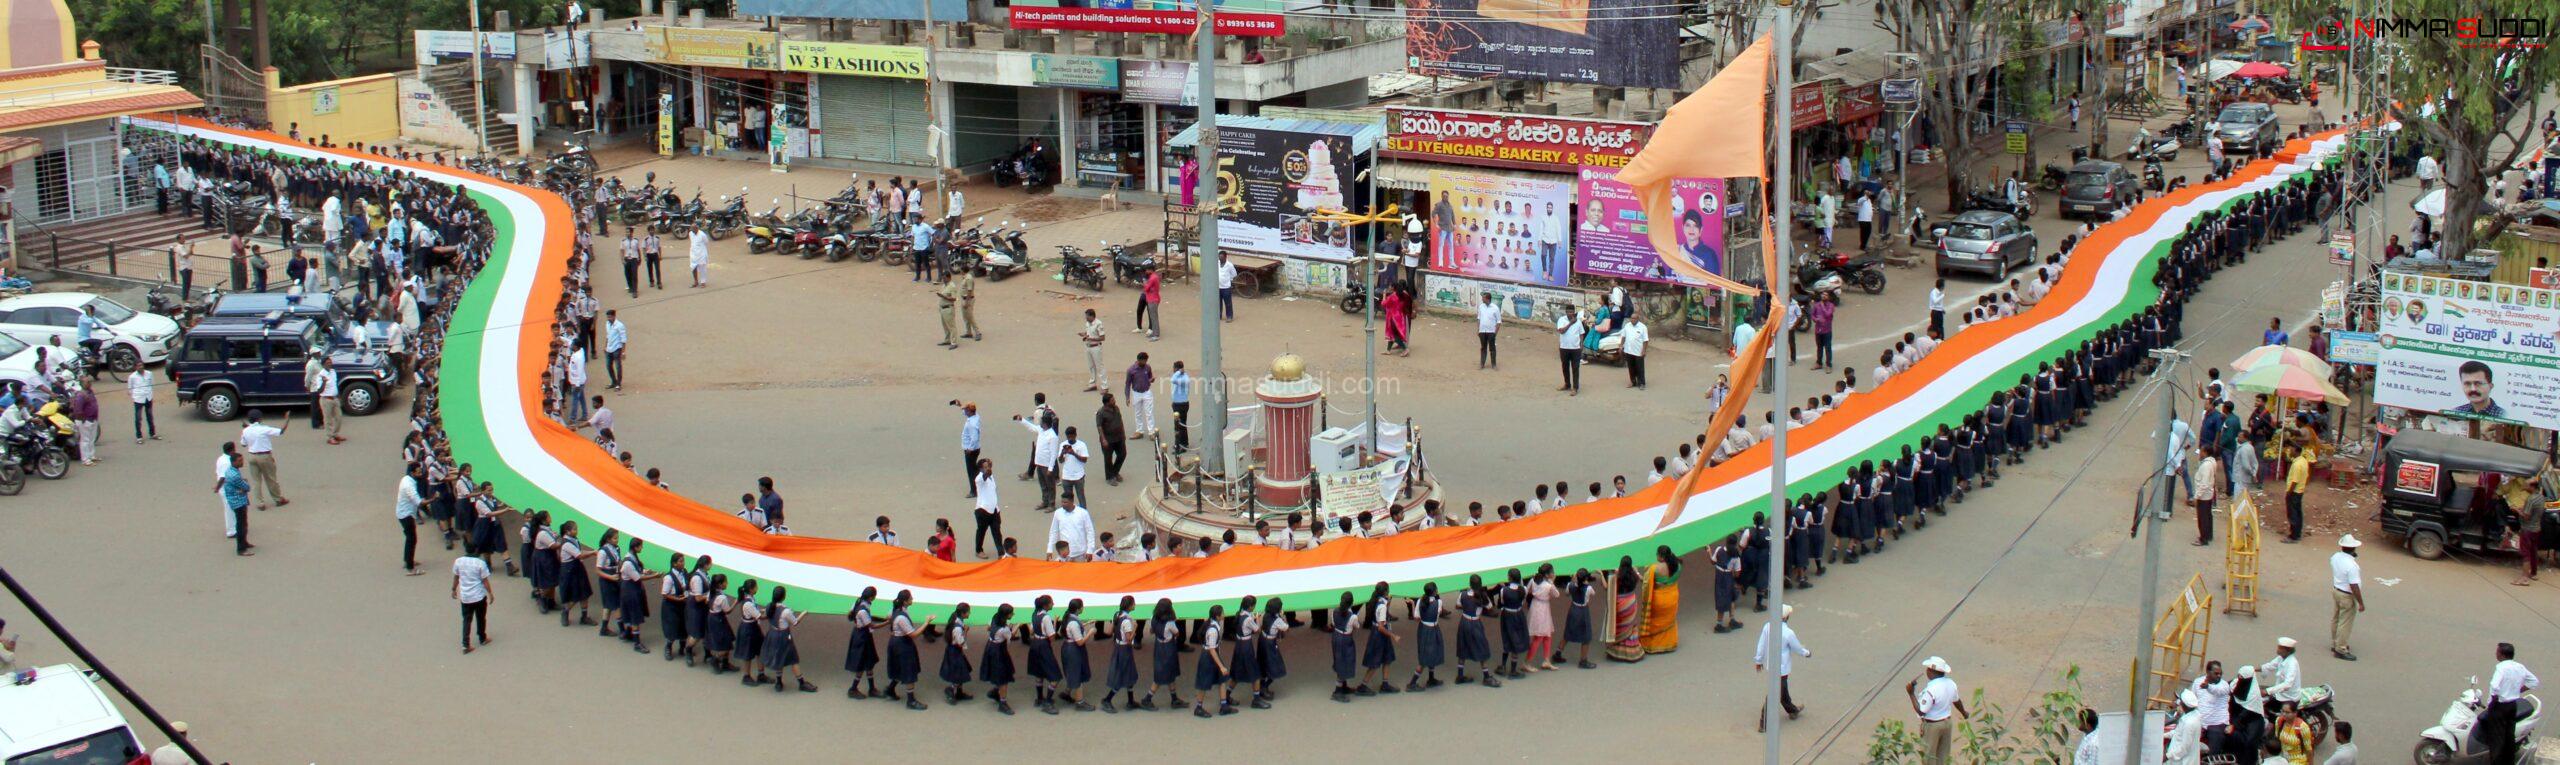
x: 1288, y: 420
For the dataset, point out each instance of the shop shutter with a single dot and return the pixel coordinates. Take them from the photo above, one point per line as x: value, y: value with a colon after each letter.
x: 873, y: 119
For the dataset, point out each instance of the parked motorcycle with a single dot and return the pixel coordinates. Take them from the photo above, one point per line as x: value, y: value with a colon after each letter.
x: 1813, y: 278
x: 1990, y: 198
x: 1076, y: 268
x: 731, y: 216
x: 1356, y: 295
x: 2451, y: 741
x: 1131, y: 267
x: 1866, y: 271
x: 2152, y: 177
x: 37, y: 449
x: 13, y: 478
x: 2052, y: 177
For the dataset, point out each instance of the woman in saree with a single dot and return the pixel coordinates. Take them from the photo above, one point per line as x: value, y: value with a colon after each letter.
x: 1662, y: 603
x: 1627, y: 625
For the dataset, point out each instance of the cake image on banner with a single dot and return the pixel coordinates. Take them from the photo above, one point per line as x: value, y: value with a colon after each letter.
x: 1274, y: 182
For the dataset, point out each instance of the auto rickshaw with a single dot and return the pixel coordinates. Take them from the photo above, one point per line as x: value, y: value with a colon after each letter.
x: 2431, y: 495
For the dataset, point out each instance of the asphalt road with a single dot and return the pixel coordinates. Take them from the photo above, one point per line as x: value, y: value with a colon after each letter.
x: 827, y: 378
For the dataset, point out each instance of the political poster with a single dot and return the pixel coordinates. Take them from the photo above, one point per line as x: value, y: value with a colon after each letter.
x: 2472, y: 350
x: 1158, y: 82
x: 1631, y: 43
x: 1271, y: 185
x: 1501, y: 227
x: 1611, y: 238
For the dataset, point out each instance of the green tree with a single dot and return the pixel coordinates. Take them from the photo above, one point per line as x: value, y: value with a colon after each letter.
x: 1988, y: 738
x: 308, y: 40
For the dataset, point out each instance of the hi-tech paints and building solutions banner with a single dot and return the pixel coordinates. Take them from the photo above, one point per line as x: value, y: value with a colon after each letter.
x: 2470, y: 349
x: 887, y: 10
x: 1501, y: 227
x: 1271, y: 183
x: 899, y: 61
x: 1527, y: 142
x: 1633, y: 43
x: 1610, y: 238
x: 1235, y: 18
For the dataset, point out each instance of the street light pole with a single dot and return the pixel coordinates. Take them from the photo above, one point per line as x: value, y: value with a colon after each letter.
x: 1369, y: 324
x: 1773, y: 643
x: 479, y: 89
x: 1213, y: 393
x: 2150, y: 521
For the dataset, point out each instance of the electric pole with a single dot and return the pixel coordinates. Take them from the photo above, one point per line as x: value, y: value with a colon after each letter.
x: 1213, y: 390
x: 2156, y: 511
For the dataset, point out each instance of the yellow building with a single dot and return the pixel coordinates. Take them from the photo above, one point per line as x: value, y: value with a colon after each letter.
x: 62, y: 151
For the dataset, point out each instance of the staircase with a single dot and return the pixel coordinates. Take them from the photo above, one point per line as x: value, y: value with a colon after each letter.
x: 132, y: 245
x: 452, y: 85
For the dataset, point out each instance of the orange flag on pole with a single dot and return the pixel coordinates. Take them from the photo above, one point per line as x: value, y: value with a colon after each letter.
x: 1721, y: 131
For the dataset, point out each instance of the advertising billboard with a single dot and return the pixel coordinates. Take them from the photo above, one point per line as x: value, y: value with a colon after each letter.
x: 436, y: 44
x: 1271, y: 183
x: 1611, y: 237
x: 1526, y: 142
x: 1167, y: 83
x: 2473, y: 350
x: 732, y: 48
x: 886, y: 10
x: 1633, y: 43
x: 1235, y: 18
x: 1501, y: 227
x: 899, y: 61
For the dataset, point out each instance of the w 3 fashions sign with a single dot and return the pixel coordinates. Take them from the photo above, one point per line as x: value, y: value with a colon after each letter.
x: 2472, y: 350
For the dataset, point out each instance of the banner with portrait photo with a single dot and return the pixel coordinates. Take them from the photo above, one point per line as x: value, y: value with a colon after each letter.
x: 1501, y: 227
x: 1631, y: 43
x: 2467, y: 349
x: 1609, y: 239
x: 1271, y: 184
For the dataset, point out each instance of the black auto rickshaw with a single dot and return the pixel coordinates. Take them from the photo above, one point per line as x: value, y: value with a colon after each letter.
x: 2431, y: 495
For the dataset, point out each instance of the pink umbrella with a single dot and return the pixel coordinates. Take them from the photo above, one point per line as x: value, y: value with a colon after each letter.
x: 2281, y: 354
x: 2260, y: 69
x: 2290, y: 382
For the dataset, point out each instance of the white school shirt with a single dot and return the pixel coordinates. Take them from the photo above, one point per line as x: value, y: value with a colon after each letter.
x: 1071, y: 459
x: 473, y: 573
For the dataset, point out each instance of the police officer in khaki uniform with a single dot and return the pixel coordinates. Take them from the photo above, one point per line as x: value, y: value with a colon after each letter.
x: 951, y: 294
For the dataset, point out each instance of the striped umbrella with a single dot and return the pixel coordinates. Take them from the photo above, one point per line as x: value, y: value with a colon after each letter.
x: 2281, y: 354
x: 2289, y: 381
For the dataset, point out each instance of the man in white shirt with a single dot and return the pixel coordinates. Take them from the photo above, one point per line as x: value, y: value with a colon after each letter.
x: 1633, y: 342
x: 1072, y: 455
x: 954, y: 203
x: 1828, y: 208
x: 700, y: 256
x: 989, y: 512
x: 575, y: 371
x: 881, y: 534
x: 404, y: 509
x: 1938, y: 306
x: 616, y: 338
x: 471, y: 587
x: 1488, y: 321
x: 2426, y: 173
x: 2087, y: 752
x: 2186, y: 737
x: 1044, y: 459
x: 1938, y: 702
x: 139, y: 384
x: 1092, y: 337
x: 1550, y: 237
x: 1073, y: 524
x: 1226, y: 288
x: 1788, y: 649
x: 1569, y: 331
x: 2281, y: 677
x: 258, y: 439
x: 1866, y: 215
x: 2346, y: 582
x: 2508, y: 684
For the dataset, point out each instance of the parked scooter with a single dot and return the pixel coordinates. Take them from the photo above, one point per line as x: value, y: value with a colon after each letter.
x: 2146, y: 146
x: 1003, y: 253
x: 762, y: 231
x: 37, y: 449
x: 2451, y: 741
x: 1990, y: 198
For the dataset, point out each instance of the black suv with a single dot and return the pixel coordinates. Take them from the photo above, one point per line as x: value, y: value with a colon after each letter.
x: 227, y: 363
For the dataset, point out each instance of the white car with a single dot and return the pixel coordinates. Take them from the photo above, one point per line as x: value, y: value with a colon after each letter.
x: 57, y: 714
x: 137, y: 338
x: 18, y: 363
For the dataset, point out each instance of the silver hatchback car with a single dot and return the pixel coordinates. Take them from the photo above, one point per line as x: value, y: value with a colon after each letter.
x: 1987, y: 242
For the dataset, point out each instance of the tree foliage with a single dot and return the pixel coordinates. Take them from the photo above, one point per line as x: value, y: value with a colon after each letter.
x: 1988, y: 738
x: 308, y: 40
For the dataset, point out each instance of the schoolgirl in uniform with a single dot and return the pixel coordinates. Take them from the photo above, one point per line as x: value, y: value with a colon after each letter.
x: 575, y: 588
x: 862, y: 649
x: 1906, y: 491
x: 673, y: 595
x: 1346, y: 657
x: 2022, y: 424
x: 995, y: 666
x: 1931, y: 478
x: 697, y: 609
x: 1275, y: 623
x: 1513, y: 599
x: 723, y: 639
x: 1472, y: 645
x: 1727, y: 567
x: 635, y: 595
x: 750, y: 635
x: 1168, y: 658
x: 905, y: 664
x: 1428, y: 650
x: 536, y: 558
x: 487, y: 539
x: 1880, y: 504
x: 1123, y: 674
x: 780, y: 653
x: 1212, y: 672
x: 1041, y: 651
x: 956, y: 672
x: 1380, y: 653
x: 608, y: 581
x: 1577, y: 615
x: 1075, y: 664
x: 1244, y: 662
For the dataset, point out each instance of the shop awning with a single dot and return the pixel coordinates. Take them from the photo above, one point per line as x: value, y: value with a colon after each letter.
x: 1400, y: 175
x: 1364, y: 138
x: 17, y: 148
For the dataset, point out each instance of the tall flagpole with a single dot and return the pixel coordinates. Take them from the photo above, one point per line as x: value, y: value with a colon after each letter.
x: 1774, y: 644
x: 1213, y: 376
